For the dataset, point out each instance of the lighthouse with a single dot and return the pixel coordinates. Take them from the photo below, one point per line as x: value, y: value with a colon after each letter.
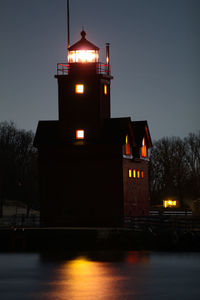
x: 93, y: 169
x: 83, y: 92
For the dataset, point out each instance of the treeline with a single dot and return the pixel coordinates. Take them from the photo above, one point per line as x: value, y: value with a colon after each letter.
x: 18, y: 166
x: 175, y: 170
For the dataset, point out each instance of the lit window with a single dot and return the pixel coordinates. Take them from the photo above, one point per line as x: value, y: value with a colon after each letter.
x: 142, y: 174
x: 144, y: 149
x: 169, y: 203
x: 129, y: 173
x: 127, y: 146
x: 80, y: 134
x: 105, y: 89
x: 138, y: 174
x: 134, y: 173
x: 79, y: 89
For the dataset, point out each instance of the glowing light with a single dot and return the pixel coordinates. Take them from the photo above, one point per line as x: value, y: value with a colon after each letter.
x: 79, y: 89
x: 80, y: 134
x: 127, y: 146
x: 130, y: 173
x: 142, y: 174
x: 83, y: 56
x: 134, y: 173
x: 81, y: 279
x: 138, y: 174
x: 105, y: 89
x: 169, y: 203
x: 144, y: 149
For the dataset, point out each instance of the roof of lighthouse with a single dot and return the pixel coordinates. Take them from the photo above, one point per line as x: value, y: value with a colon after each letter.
x: 83, y: 44
x: 140, y: 130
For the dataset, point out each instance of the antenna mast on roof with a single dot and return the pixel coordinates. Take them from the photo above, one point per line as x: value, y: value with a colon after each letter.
x: 68, y: 28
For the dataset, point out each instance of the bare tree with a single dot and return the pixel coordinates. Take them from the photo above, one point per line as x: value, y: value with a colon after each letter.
x: 169, y: 172
x: 18, y: 172
x: 192, y: 144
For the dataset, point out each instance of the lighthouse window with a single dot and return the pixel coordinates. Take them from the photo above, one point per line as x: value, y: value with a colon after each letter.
x: 105, y: 89
x: 79, y: 88
x: 80, y: 134
x: 129, y: 173
x: 144, y: 148
x: 134, y: 173
x: 127, y: 146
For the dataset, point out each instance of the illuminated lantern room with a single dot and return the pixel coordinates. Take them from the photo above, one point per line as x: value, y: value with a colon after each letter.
x: 83, y: 56
x: 83, y: 51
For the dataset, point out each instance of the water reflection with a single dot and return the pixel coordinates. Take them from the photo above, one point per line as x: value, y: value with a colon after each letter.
x: 87, y: 277
x: 83, y: 279
x: 100, y: 275
x: 136, y: 257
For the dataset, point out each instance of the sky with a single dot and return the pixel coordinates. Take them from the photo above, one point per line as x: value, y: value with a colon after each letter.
x: 154, y: 49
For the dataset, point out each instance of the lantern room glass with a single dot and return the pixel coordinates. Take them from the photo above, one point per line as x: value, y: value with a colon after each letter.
x: 83, y: 56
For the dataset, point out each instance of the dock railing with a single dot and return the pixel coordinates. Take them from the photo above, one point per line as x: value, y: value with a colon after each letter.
x: 146, y: 223
x: 163, y: 223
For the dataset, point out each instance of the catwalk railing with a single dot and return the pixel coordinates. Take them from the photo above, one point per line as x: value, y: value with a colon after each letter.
x: 64, y: 69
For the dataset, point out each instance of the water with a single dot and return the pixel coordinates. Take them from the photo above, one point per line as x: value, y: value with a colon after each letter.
x: 100, y: 275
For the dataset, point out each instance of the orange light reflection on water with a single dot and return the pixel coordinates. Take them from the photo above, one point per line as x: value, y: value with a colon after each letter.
x: 82, y: 279
x: 85, y: 279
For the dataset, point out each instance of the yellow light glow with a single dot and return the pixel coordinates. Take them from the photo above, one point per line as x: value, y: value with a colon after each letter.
x: 80, y: 134
x: 79, y: 88
x: 105, y: 89
x: 126, y: 139
x: 138, y: 174
x: 169, y: 203
x: 130, y: 173
x: 134, y: 173
x: 83, y: 56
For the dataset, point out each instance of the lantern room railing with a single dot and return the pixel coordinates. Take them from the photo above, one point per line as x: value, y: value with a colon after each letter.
x: 64, y: 69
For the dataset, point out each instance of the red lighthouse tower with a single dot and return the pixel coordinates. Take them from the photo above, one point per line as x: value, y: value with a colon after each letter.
x: 93, y: 169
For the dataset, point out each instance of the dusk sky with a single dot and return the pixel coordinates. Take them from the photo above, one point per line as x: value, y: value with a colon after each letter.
x: 155, y: 46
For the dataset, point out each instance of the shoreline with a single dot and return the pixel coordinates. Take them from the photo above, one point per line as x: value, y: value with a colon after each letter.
x: 88, y: 239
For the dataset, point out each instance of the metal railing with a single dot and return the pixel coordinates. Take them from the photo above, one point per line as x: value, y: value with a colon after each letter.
x: 20, y: 221
x: 64, y: 69
x: 163, y: 223
x: 146, y: 223
x: 103, y: 69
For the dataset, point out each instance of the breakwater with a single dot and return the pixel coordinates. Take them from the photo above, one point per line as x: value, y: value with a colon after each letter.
x: 84, y: 239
